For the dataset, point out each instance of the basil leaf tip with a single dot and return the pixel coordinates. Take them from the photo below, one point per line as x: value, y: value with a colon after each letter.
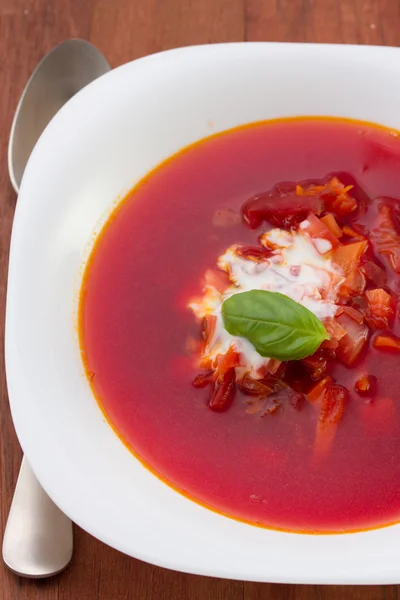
x: 277, y: 326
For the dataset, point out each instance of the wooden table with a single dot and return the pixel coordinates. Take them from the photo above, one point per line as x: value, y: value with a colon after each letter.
x: 124, y: 30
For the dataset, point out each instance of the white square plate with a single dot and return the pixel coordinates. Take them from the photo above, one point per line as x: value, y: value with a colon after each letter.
x: 99, y: 145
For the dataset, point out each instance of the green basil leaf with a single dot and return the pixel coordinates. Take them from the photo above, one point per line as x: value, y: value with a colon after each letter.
x: 277, y: 326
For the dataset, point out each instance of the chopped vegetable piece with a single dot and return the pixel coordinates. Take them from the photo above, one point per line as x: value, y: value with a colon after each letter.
x: 310, y: 190
x: 204, y: 379
x: 280, y: 208
x: 360, y: 303
x: 330, y: 415
x: 316, y: 364
x: 373, y: 272
x: 317, y: 230
x: 224, y: 392
x: 347, y: 257
x: 208, y: 329
x: 272, y: 372
x: 353, y: 233
x: 273, y: 367
x: 385, y: 239
x: 253, y: 252
x: 254, y: 387
x: 333, y: 404
x: 331, y: 223
x: 353, y: 313
x: 386, y: 342
x: 353, y: 285
x: 205, y: 363
x: 228, y: 361
x: 335, y: 332
x: 380, y: 308
x: 351, y: 345
x: 317, y: 393
x: 337, y: 198
x: 366, y: 385
x: 334, y: 194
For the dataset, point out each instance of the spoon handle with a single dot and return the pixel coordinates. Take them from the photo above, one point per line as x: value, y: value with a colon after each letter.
x: 38, y: 538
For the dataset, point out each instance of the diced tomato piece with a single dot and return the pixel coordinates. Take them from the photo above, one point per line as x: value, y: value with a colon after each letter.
x: 366, y: 385
x: 279, y: 210
x: 329, y: 417
x: 337, y: 198
x: 385, y: 239
x: 360, y: 303
x: 387, y: 342
x: 373, y: 272
x: 204, y: 379
x: 334, y: 329
x: 273, y: 366
x: 380, y: 308
x: 331, y: 223
x: 353, y: 285
x: 333, y: 404
x: 331, y: 344
x: 353, y: 313
x: 228, y: 361
x: 317, y: 393
x: 224, y: 392
x: 319, y: 231
x: 351, y: 345
x: 295, y: 377
x: 347, y: 256
x: 335, y: 332
x: 254, y: 387
x: 316, y: 364
x: 272, y: 372
x: 380, y: 302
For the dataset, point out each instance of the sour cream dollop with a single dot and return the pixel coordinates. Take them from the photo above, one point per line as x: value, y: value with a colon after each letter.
x: 298, y: 267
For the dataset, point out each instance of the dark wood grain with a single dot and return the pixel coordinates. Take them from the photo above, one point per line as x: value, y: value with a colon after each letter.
x: 124, y: 30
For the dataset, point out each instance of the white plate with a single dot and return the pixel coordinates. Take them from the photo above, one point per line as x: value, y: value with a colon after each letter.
x: 99, y: 145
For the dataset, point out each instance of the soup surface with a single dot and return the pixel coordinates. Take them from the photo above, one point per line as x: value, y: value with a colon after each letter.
x: 140, y: 338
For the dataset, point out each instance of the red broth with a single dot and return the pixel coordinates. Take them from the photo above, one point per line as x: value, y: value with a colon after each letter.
x: 149, y: 261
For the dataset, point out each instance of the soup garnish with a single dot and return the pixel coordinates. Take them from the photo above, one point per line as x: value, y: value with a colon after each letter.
x: 245, y: 343
x: 291, y: 299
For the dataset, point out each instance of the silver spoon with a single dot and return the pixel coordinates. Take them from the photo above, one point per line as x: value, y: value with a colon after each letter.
x: 38, y: 539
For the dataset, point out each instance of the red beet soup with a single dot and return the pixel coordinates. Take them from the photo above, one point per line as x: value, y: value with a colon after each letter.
x: 307, y: 445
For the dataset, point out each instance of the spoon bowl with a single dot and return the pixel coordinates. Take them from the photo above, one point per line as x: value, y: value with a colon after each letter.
x: 64, y: 71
